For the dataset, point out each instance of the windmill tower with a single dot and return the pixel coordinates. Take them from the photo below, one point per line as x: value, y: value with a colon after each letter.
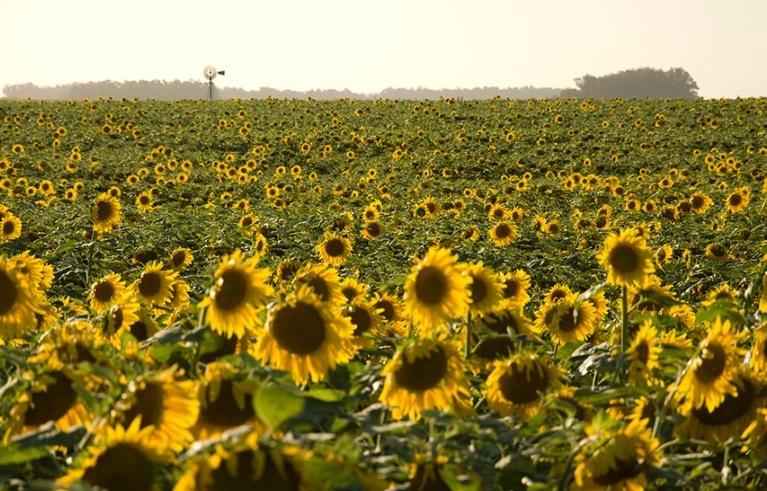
x: 210, y: 73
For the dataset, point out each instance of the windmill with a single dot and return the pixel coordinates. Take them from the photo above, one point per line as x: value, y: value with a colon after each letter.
x: 210, y: 73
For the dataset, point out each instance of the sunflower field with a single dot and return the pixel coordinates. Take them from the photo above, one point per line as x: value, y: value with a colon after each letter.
x: 383, y: 295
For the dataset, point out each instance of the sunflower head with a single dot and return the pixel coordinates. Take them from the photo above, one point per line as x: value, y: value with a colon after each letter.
x: 106, y: 213
x: 334, y: 249
x: 515, y: 385
x: 626, y: 258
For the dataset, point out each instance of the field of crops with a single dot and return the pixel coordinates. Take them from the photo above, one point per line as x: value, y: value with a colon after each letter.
x: 369, y: 295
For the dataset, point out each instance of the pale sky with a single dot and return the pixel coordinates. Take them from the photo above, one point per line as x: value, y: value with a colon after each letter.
x: 366, y: 45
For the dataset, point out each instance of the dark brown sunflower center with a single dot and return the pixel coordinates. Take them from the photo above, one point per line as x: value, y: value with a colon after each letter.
x: 104, y: 291
x: 736, y: 200
x: 320, y: 288
x: 247, y: 476
x: 431, y: 285
x: 122, y: 467
x: 520, y: 385
x: 138, y: 329
x: 335, y: 247
x: 494, y: 347
x: 713, y: 362
x: 8, y: 293
x: 642, y: 352
x: 697, y: 202
x: 387, y: 309
x: 55, y: 402
x: 104, y: 211
x: 732, y: 408
x: 150, y: 283
x: 232, y: 289
x: 510, y: 289
x: 479, y: 290
x: 422, y: 373
x: 567, y: 321
x: 361, y: 319
x: 718, y: 250
x: 299, y: 329
x: 178, y: 258
x: 373, y: 229
x: 9, y: 227
x: 148, y: 405
x: 623, y: 470
x: 624, y: 258
x: 501, y: 323
x: 502, y: 231
x: 224, y: 410
x: 143, y: 199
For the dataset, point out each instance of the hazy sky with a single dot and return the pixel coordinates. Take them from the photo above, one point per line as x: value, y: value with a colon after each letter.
x: 367, y: 45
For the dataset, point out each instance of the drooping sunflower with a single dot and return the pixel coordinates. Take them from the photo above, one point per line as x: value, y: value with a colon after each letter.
x: 334, y: 249
x: 180, y: 258
x: 436, y: 291
x: 167, y: 404
x: 18, y: 301
x: 515, y: 385
x: 239, y: 291
x: 711, y: 376
x: 731, y: 416
x: 643, y: 354
x: 105, y: 292
x: 626, y: 258
x: 153, y: 286
x: 106, y: 213
x: 618, y: 460
x: 425, y: 374
x: 121, y: 459
x: 514, y: 286
x: 52, y: 397
x: 304, y: 337
x: 503, y: 233
x: 566, y: 320
x: 485, y: 287
x: 249, y: 467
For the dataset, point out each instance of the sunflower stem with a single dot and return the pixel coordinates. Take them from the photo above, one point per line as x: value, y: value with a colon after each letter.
x: 468, y: 336
x: 624, y: 324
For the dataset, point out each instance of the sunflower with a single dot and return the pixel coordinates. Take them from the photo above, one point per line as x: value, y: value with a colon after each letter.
x: 700, y: 202
x: 643, y: 354
x: 18, y: 301
x: 160, y: 401
x: 122, y: 314
x: 485, y: 287
x: 436, y: 291
x: 758, y: 358
x: 506, y: 318
x: 738, y: 200
x: 52, y: 397
x: 503, y: 233
x: 239, y: 291
x: 389, y: 306
x: 10, y: 227
x: 353, y: 289
x: 566, y: 320
x: 105, y: 291
x: 514, y: 286
x: 106, y: 213
x: 248, y: 467
x: 371, y: 230
x: 324, y: 282
x: 425, y: 374
x: 710, y: 376
x: 731, y: 416
x: 334, y: 249
x: 180, y: 258
x: 626, y: 258
x: 556, y: 293
x: 515, y: 385
x: 122, y: 459
x: 717, y: 252
x: 305, y: 337
x: 226, y: 401
x: 153, y: 286
x: 619, y: 460
x: 366, y: 319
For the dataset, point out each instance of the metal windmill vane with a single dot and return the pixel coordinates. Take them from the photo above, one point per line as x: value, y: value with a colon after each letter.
x: 210, y: 73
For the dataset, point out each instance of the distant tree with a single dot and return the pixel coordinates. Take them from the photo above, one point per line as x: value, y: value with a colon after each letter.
x: 674, y: 83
